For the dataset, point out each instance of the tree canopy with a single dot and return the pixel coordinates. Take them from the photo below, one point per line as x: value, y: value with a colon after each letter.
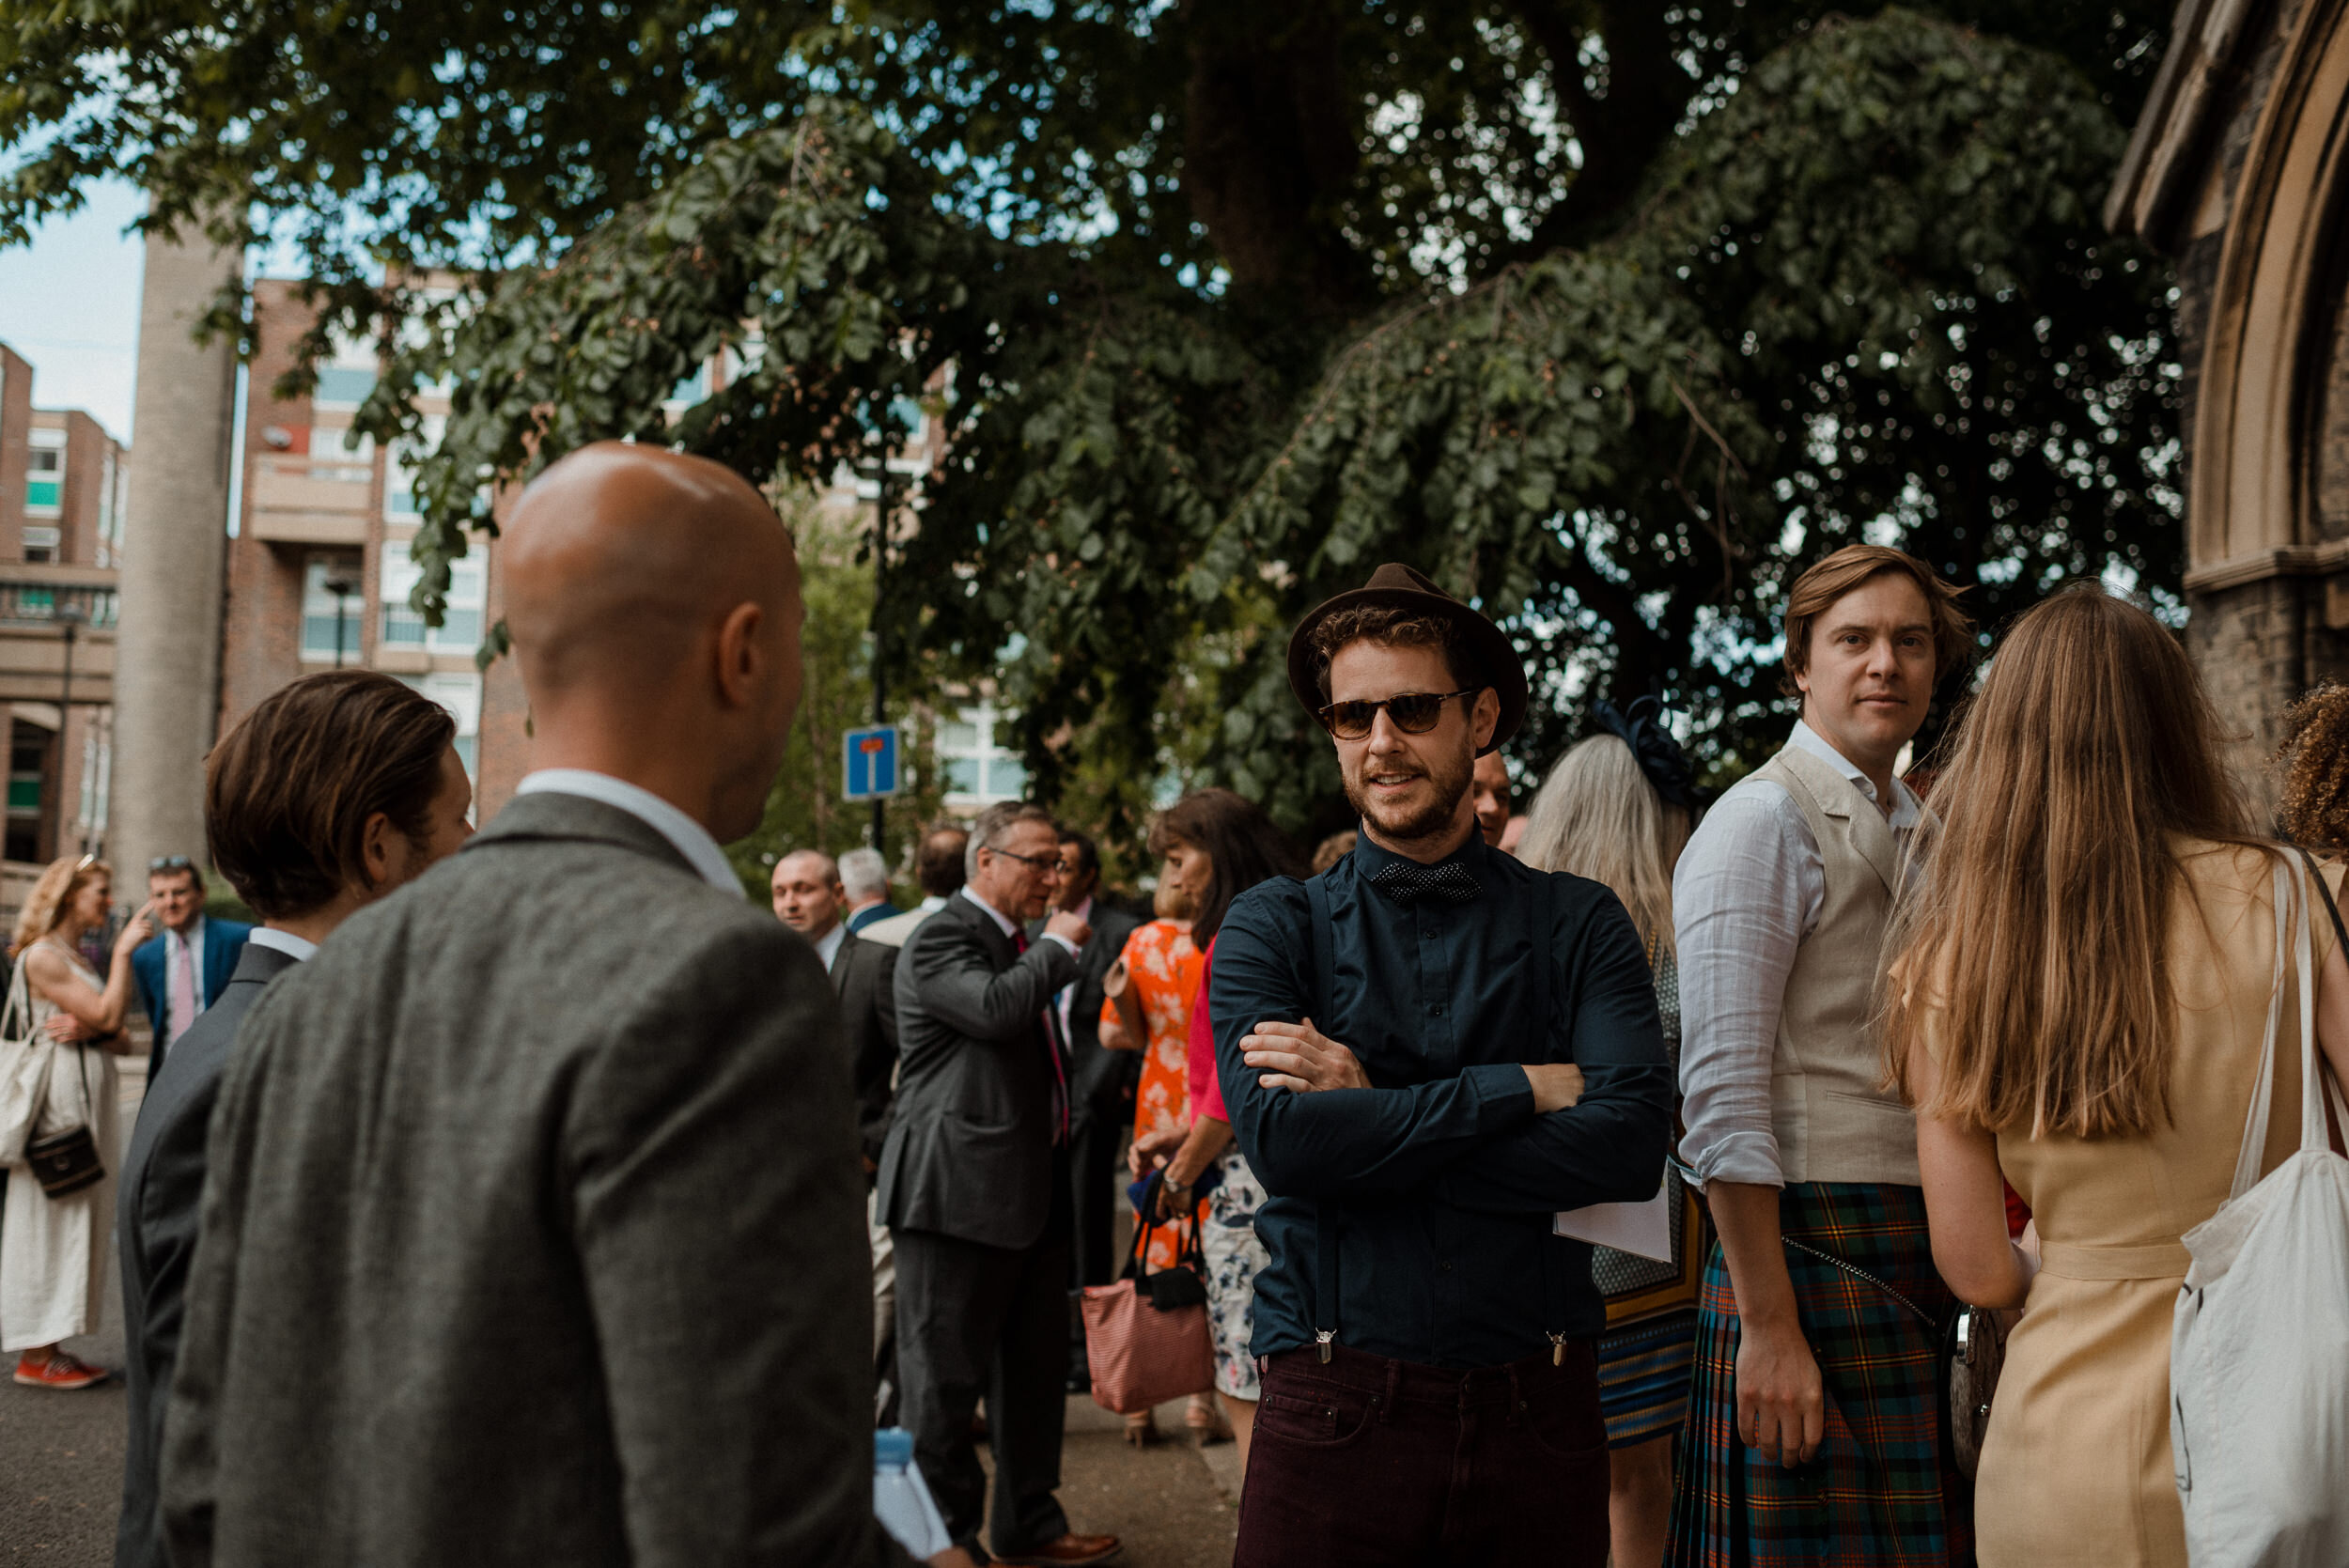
x: 1610, y: 315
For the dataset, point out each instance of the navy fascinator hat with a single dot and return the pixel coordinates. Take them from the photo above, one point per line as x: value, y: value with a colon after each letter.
x: 1659, y: 757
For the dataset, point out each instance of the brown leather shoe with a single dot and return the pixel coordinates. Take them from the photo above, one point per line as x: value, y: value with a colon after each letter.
x: 1066, y: 1550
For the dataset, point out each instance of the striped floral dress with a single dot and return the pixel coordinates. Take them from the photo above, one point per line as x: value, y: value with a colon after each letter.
x: 1650, y: 1344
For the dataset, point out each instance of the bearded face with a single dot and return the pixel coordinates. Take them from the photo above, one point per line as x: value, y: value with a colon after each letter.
x: 1409, y: 787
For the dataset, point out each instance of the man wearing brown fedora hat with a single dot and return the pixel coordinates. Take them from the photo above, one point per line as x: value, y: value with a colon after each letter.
x: 1428, y: 1049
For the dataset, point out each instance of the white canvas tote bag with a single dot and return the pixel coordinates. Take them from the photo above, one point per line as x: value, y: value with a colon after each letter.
x: 2258, y: 1346
x: 25, y: 1055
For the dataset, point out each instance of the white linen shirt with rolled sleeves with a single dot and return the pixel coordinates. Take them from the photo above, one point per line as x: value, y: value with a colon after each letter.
x: 1748, y: 890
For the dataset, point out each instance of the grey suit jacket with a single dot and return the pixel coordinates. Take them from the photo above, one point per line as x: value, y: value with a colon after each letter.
x: 970, y: 1147
x: 155, y: 1220
x: 865, y: 976
x: 533, y: 1234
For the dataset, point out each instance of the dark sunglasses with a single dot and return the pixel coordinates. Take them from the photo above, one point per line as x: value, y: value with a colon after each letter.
x: 171, y: 862
x: 1413, y: 712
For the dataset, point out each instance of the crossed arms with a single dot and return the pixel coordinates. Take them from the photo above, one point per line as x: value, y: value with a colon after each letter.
x: 1503, y: 1136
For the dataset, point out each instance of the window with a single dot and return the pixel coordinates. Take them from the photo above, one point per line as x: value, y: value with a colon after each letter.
x: 344, y: 384
x: 334, y: 605
x: 41, y: 542
x: 461, y: 695
x: 459, y: 630
x: 399, y: 470
x: 29, y: 768
x: 978, y: 769
x: 44, y: 482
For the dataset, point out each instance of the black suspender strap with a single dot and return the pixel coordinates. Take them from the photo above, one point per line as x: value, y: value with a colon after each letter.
x: 1325, y: 1222
x: 1543, y: 958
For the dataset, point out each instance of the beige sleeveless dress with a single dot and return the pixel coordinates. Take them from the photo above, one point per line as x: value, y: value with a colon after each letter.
x: 53, y: 1250
x: 2076, y: 1467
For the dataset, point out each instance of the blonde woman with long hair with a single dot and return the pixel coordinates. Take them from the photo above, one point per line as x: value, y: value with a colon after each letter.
x: 1617, y: 809
x: 53, y: 1250
x: 2078, y: 1005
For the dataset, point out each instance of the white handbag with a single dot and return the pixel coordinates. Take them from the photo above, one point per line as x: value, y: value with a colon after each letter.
x: 26, y: 1052
x: 2259, y: 1347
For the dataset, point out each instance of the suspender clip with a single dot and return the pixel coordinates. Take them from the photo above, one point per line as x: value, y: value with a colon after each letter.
x: 1557, y: 1350
x: 1323, y: 1335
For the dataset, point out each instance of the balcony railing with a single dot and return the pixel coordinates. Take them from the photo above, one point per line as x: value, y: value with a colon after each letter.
x: 39, y: 603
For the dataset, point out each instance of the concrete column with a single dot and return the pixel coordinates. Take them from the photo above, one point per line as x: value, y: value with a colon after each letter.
x: 173, y: 557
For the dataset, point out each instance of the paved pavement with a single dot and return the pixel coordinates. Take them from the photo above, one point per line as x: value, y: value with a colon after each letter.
x: 61, y: 1469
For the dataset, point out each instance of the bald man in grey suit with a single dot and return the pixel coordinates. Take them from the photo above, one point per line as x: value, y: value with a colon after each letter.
x: 535, y: 1232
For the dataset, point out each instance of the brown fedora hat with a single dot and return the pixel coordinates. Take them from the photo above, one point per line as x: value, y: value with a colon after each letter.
x: 1399, y: 588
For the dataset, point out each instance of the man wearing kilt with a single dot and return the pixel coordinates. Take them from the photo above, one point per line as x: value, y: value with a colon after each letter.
x: 1814, y: 1434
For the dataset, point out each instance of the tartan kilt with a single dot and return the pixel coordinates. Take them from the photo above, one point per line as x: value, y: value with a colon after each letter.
x: 1881, y: 1492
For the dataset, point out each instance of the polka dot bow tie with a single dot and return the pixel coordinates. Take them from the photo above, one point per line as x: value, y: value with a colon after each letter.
x: 1408, y: 883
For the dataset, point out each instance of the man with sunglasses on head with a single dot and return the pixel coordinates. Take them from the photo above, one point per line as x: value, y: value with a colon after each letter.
x: 974, y: 1188
x: 185, y: 966
x: 1428, y: 1050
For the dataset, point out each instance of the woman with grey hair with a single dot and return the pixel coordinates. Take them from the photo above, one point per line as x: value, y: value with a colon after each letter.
x: 1617, y: 809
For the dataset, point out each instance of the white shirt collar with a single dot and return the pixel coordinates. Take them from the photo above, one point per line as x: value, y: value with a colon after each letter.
x: 692, y: 839
x: 931, y: 904
x: 1905, y: 810
x: 1002, y: 919
x: 297, y: 948
x: 828, y: 945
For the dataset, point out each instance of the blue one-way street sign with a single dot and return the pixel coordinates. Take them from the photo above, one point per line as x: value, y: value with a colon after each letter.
x: 868, y: 763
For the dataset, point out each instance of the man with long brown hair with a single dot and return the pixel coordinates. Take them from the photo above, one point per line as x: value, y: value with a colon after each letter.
x: 1812, y: 1432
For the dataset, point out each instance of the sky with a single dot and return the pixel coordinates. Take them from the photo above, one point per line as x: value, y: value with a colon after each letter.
x: 70, y: 304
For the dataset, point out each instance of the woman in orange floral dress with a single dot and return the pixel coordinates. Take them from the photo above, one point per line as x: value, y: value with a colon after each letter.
x: 1162, y: 975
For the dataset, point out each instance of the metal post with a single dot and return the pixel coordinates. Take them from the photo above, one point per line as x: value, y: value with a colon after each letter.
x: 881, y: 578
x: 342, y: 588
x: 70, y: 617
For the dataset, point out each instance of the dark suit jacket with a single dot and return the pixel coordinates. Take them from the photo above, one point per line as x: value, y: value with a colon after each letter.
x: 1098, y: 1074
x: 155, y: 1221
x: 970, y: 1147
x: 872, y: 912
x: 534, y: 1235
x: 864, y: 975
x: 223, y: 940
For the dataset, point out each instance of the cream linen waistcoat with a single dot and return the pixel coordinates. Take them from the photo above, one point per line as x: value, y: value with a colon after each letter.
x: 1834, y: 1122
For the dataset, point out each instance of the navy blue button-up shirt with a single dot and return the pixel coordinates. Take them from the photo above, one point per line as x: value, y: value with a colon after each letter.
x: 1438, y: 1184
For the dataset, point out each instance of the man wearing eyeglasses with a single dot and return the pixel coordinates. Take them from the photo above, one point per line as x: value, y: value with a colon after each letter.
x: 1429, y: 1049
x: 182, y: 970
x: 974, y: 1188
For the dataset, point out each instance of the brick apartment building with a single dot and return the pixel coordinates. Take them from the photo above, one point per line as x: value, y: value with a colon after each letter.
x: 319, y: 568
x: 62, y: 483
x: 320, y: 573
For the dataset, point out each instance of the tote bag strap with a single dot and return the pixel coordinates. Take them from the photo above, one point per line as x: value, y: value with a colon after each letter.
x: 2289, y: 895
x: 2333, y: 1099
x: 16, y: 1017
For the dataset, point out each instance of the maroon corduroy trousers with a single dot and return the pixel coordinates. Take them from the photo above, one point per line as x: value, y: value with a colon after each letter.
x: 1363, y: 1461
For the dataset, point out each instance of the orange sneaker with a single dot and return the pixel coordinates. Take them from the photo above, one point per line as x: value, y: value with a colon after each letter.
x: 60, y: 1371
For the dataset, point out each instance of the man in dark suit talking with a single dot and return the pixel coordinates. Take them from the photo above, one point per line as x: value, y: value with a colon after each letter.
x: 532, y: 1230
x: 974, y: 1188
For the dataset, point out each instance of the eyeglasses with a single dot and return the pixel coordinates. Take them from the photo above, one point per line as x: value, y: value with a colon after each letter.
x: 1042, y: 863
x: 170, y: 863
x: 1413, y: 712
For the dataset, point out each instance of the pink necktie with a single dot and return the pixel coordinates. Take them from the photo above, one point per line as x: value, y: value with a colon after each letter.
x: 182, y: 993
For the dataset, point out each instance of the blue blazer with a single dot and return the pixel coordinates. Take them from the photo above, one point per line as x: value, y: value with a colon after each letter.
x: 224, y: 942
